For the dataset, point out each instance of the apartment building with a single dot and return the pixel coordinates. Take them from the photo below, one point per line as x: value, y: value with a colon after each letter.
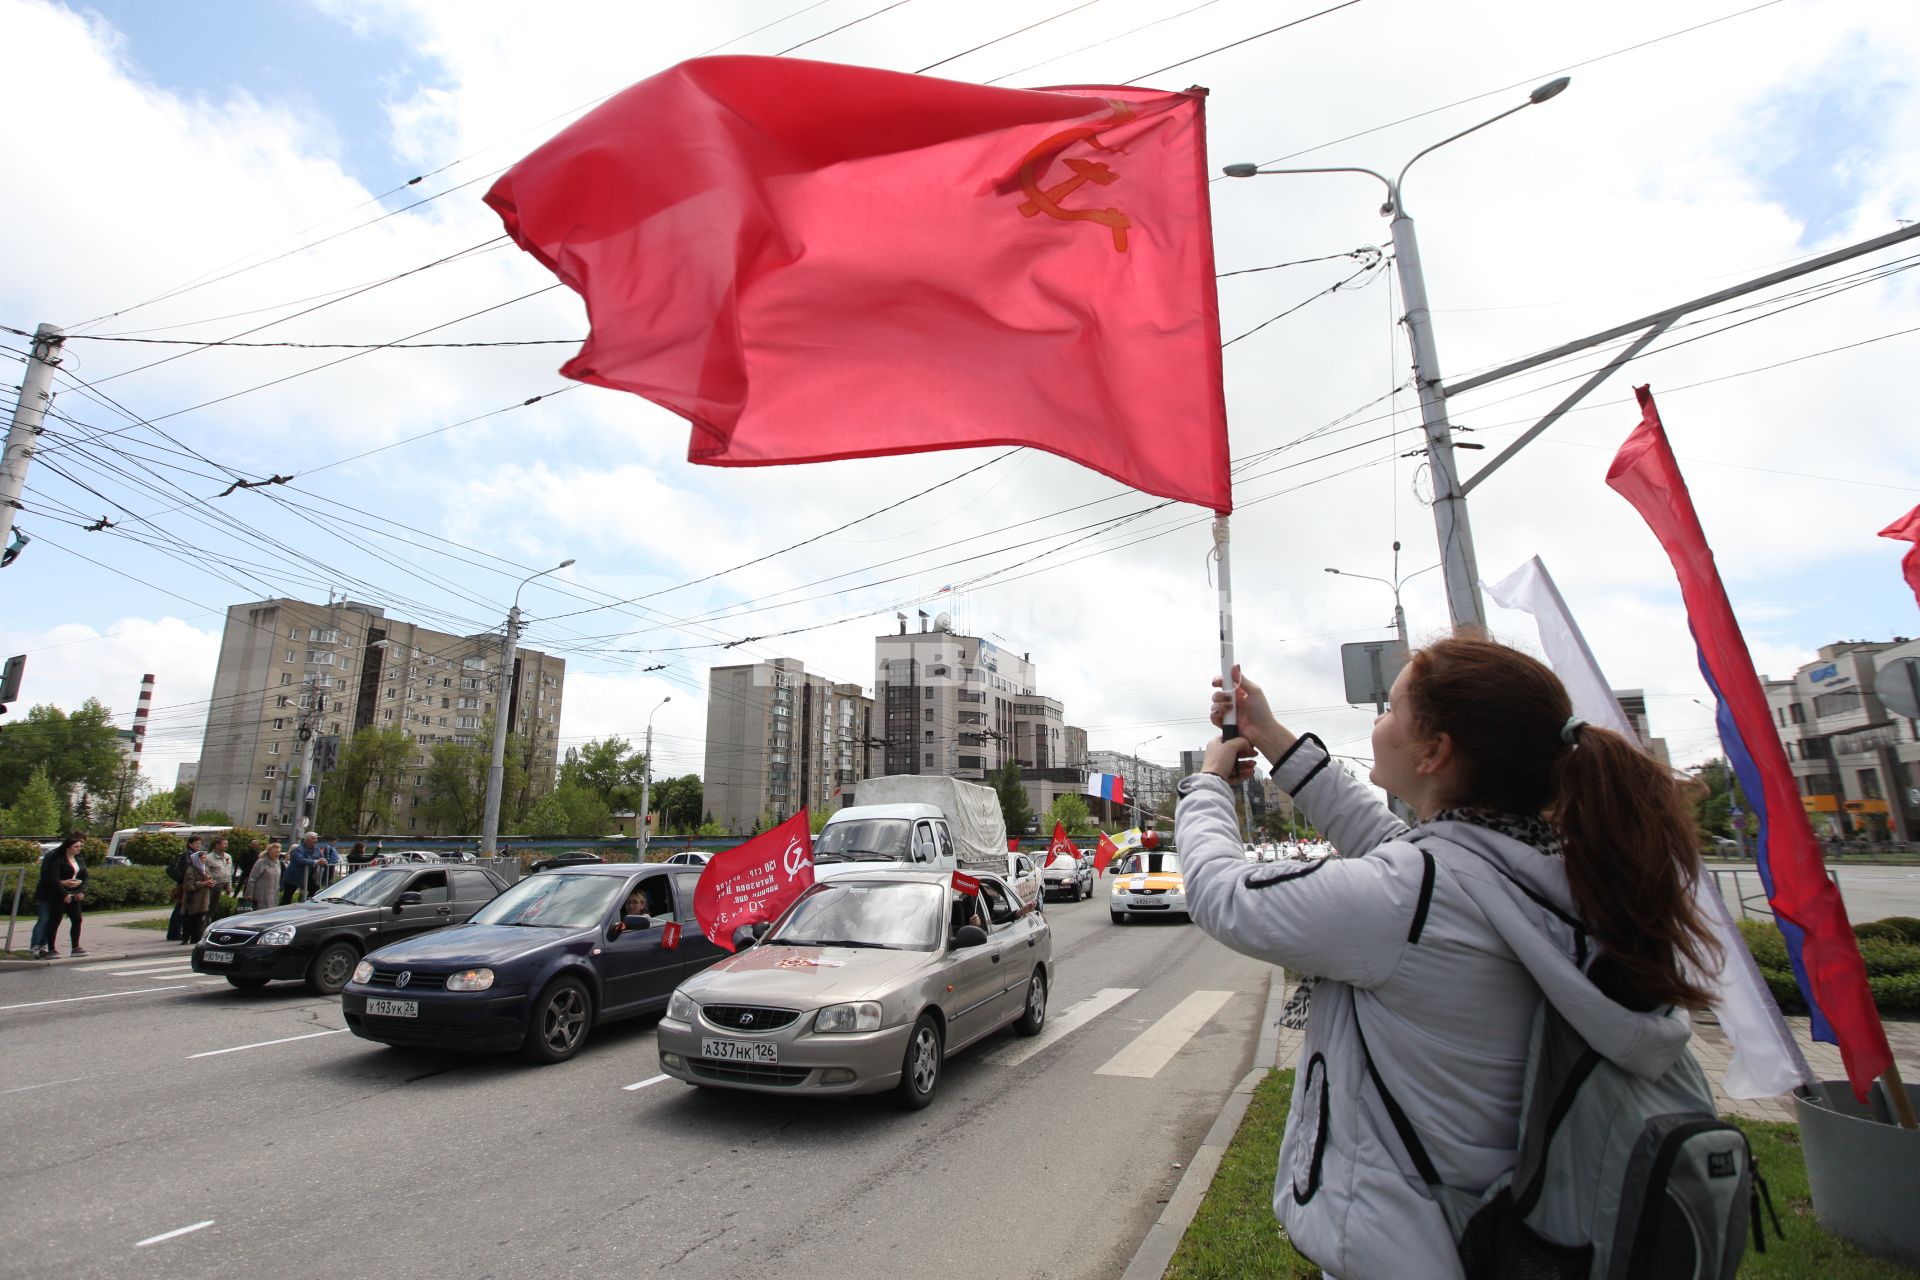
x: 352, y: 668
x: 1147, y: 784
x: 1856, y: 763
x: 780, y: 740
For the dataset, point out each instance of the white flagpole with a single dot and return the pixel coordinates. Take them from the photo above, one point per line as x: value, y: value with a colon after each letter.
x: 1222, y: 535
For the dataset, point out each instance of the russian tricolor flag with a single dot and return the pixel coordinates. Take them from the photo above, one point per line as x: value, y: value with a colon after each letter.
x: 1108, y: 786
x: 1806, y: 904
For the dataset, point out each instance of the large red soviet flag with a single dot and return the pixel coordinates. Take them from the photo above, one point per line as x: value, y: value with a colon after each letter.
x: 754, y: 882
x: 1907, y: 529
x: 810, y: 261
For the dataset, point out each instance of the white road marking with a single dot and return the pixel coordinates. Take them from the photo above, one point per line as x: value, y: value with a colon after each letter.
x: 261, y: 1044
x: 1154, y: 1048
x: 165, y: 975
x: 641, y: 1084
x: 168, y: 1235
x: 135, y: 966
x: 1064, y: 1023
x: 35, y: 1004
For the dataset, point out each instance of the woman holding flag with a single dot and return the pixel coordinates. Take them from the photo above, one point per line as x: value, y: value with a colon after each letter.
x: 1432, y: 947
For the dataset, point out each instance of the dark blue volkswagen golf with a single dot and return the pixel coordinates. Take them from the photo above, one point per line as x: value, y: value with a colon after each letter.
x: 557, y: 954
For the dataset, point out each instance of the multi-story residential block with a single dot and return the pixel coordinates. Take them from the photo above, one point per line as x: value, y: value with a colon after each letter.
x: 352, y: 667
x: 780, y: 740
x: 1148, y: 785
x: 1633, y: 705
x: 1856, y: 763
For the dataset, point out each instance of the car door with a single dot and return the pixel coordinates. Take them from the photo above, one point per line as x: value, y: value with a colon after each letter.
x: 636, y: 969
x: 472, y: 890
x: 1012, y: 931
x: 975, y: 975
x: 434, y: 909
x: 697, y: 950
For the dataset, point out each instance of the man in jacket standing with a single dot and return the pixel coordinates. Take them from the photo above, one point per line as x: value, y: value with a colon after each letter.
x: 300, y: 863
x: 219, y: 869
x: 196, y: 893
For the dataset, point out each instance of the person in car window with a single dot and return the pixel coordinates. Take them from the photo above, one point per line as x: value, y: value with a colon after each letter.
x: 636, y: 903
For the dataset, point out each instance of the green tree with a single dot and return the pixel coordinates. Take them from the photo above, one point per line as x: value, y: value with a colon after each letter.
x: 1070, y: 811
x: 35, y: 811
x: 183, y: 797
x: 155, y: 807
x: 678, y: 802
x: 78, y: 750
x: 358, y: 795
x: 818, y: 819
x: 1013, y: 797
x: 608, y: 767
x: 456, y: 787
x: 567, y: 810
x: 1713, y: 803
x: 212, y: 818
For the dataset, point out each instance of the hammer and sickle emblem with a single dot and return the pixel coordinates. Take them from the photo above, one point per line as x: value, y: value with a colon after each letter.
x: 1047, y: 200
x: 793, y: 859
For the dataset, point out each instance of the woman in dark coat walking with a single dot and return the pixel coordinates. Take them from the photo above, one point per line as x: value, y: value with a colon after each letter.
x: 62, y: 889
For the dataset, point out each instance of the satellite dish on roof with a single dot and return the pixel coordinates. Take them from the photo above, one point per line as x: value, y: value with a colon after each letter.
x: 943, y: 623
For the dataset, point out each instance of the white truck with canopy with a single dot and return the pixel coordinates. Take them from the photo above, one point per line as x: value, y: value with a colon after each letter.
x: 925, y: 821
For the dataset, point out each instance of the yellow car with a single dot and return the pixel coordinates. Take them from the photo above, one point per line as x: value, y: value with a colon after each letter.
x: 1147, y: 884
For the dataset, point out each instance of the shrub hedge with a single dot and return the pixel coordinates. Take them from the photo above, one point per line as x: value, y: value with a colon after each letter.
x: 110, y: 888
x: 152, y: 848
x: 1890, y: 948
x: 13, y: 849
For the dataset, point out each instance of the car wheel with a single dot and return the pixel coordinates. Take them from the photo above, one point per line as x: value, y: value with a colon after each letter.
x: 331, y: 968
x: 558, y: 1026
x: 920, y: 1070
x: 248, y: 984
x: 1035, y: 1016
x: 1119, y: 917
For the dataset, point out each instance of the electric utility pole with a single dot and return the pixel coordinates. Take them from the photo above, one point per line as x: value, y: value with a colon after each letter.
x: 313, y: 704
x: 36, y: 393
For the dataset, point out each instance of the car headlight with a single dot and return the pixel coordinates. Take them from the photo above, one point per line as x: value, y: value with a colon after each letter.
x: 680, y: 1008
x: 363, y: 972
x: 276, y: 937
x: 863, y: 1015
x: 470, y: 980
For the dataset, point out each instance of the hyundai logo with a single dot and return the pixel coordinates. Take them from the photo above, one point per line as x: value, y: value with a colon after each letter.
x: 746, y: 1019
x: 406, y: 976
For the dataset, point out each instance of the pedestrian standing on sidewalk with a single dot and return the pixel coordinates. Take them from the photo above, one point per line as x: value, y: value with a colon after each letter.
x: 177, y: 872
x: 196, y: 895
x: 60, y: 892
x: 1430, y: 948
x: 263, y: 880
x: 219, y: 871
x: 297, y: 876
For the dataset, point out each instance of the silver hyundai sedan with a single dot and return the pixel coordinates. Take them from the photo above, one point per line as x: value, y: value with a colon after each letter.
x: 866, y: 983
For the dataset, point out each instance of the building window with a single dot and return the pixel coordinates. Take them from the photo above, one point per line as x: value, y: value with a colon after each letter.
x: 273, y: 748
x: 386, y: 715
x: 929, y: 759
x: 266, y: 795
x: 320, y: 657
x: 927, y: 692
x: 1833, y: 704
x: 290, y: 655
x: 259, y: 819
x: 280, y: 722
x: 929, y: 715
x: 929, y: 735
x: 412, y: 823
x: 325, y: 635
x: 389, y: 692
x: 273, y: 771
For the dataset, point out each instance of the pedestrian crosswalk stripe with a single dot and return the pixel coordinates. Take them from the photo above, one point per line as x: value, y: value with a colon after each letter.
x: 1064, y: 1023
x: 1154, y: 1048
x: 123, y: 966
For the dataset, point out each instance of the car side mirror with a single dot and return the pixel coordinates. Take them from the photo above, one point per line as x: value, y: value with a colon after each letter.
x: 411, y: 898
x: 748, y: 934
x: 970, y: 935
x: 635, y: 923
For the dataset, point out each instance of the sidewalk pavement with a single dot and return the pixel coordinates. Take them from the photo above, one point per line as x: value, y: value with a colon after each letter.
x: 106, y: 937
x: 1711, y: 1047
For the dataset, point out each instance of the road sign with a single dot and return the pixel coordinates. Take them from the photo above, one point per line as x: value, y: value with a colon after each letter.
x: 1370, y: 667
x: 10, y: 677
x: 1739, y: 822
x: 313, y: 792
x: 1897, y: 686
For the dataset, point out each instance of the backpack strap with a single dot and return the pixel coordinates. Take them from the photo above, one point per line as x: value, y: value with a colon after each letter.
x: 1410, y: 1139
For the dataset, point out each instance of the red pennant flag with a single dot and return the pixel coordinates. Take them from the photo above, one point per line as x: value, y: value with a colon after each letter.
x: 964, y: 883
x: 1821, y: 946
x: 1013, y: 844
x: 1104, y: 852
x: 810, y: 261
x: 670, y: 938
x: 1060, y: 846
x: 754, y: 882
x: 1907, y: 529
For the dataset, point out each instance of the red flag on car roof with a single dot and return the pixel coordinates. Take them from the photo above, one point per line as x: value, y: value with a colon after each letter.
x: 1104, y: 852
x: 809, y: 261
x: 754, y: 882
x: 1061, y: 847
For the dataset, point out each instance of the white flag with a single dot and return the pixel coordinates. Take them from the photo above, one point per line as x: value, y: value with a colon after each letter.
x: 1766, y: 1060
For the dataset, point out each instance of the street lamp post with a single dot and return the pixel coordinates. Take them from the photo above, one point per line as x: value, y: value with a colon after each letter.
x: 1137, y: 766
x: 1450, y: 522
x: 502, y: 705
x: 1392, y: 584
x: 646, y: 782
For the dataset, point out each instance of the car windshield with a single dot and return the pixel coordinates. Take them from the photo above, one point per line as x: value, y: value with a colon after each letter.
x: 864, y: 840
x: 1167, y: 863
x: 554, y: 902
x: 365, y: 888
x: 899, y: 917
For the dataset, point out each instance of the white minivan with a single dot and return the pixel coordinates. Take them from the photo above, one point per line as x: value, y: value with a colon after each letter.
x: 115, y: 858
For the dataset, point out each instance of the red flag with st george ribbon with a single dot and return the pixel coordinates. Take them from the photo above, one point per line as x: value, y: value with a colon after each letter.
x: 809, y: 261
x: 1820, y: 944
x: 1907, y: 529
x: 1104, y: 852
x: 754, y: 882
x: 1060, y: 846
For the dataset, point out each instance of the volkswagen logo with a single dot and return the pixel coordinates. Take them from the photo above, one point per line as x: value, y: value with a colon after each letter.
x: 746, y: 1019
x: 406, y: 976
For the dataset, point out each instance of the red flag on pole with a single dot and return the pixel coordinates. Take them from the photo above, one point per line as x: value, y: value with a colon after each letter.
x: 754, y: 882
x: 1060, y: 846
x: 1806, y: 904
x: 1907, y: 529
x: 810, y: 261
x: 1104, y: 852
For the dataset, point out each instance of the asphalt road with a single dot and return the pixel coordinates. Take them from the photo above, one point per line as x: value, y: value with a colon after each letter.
x: 1871, y: 892
x: 150, y: 1101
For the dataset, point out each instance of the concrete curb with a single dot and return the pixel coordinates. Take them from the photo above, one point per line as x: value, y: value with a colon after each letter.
x: 100, y: 955
x: 1156, y: 1251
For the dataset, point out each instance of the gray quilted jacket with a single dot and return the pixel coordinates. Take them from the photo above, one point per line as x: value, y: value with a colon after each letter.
x: 1441, y: 941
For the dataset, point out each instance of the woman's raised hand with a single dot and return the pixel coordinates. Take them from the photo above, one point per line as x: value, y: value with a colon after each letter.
x: 1252, y: 717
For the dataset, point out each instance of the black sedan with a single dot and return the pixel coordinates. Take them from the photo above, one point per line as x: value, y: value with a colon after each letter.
x: 320, y: 940
x: 554, y: 956
x: 572, y: 858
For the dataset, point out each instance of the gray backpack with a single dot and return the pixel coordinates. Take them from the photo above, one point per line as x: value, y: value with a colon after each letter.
x: 1618, y: 1176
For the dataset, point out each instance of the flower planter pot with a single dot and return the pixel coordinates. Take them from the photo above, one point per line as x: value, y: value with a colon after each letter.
x: 1863, y: 1173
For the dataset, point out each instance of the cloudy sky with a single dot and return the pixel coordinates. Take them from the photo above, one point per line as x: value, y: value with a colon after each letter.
x: 198, y: 169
